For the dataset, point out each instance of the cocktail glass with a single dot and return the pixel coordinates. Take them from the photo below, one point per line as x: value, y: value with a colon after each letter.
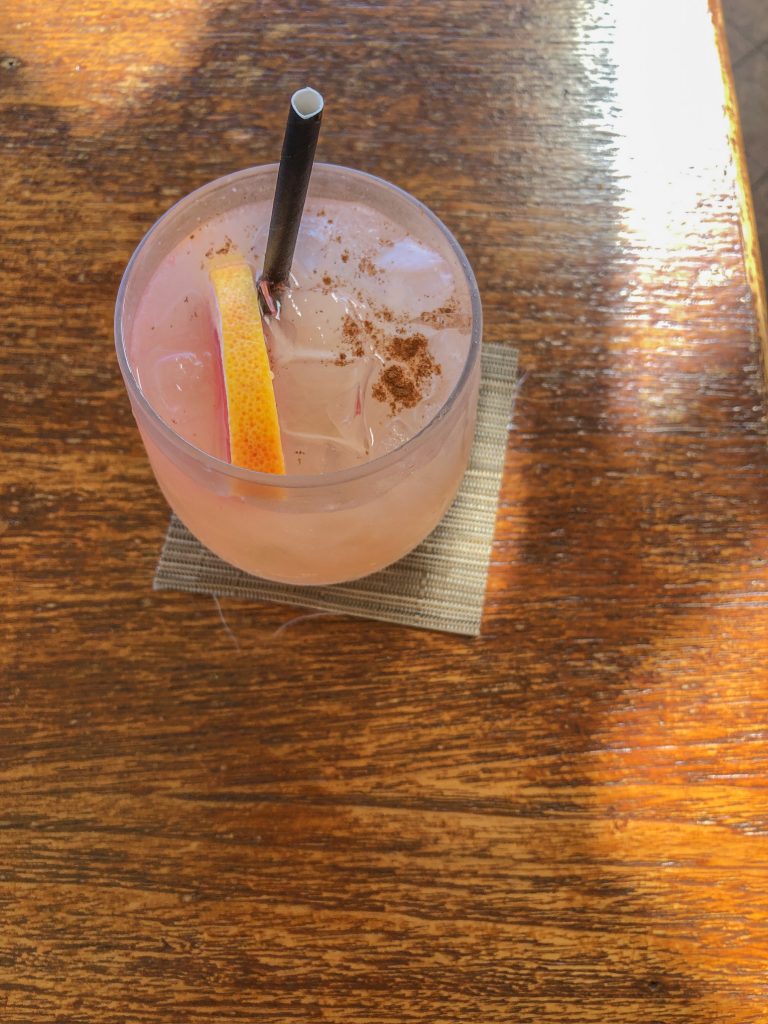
x: 308, y: 529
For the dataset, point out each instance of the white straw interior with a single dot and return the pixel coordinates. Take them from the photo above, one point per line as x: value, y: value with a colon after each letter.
x: 307, y: 102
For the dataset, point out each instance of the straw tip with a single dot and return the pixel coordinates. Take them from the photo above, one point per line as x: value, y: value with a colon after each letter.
x: 307, y: 102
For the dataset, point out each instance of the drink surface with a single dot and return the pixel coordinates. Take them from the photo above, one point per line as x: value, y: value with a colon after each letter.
x: 371, y: 340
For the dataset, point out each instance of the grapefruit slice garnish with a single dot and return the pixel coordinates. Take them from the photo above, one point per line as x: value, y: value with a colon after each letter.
x: 254, y: 429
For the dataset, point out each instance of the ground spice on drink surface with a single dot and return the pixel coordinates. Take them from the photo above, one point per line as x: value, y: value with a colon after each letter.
x: 394, y: 386
x: 402, y: 384
x: 409, y: 364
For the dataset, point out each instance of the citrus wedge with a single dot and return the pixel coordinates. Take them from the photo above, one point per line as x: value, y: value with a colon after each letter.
x: 254, y: 430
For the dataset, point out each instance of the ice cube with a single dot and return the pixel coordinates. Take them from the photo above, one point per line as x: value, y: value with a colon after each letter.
x: 413, y: 279
x: 409, y: 256
x: 349, y: 225
x: 310, y: 325
x: 186, y: 389
x: 391, y: 435
x: 348, y: 415
x: 449, y: 349
x: 183, y: 379
x: 410, y: 421
x: 323, y: 398
x: 315, y: 453
x: 311, y: 249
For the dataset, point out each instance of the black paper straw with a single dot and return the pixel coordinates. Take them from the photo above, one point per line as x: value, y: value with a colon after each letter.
x: 296, y: 159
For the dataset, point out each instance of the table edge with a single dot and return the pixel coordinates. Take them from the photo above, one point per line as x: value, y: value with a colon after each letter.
x: 753, y: 263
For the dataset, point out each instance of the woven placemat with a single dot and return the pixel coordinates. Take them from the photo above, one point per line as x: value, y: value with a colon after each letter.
x: 439, y: 585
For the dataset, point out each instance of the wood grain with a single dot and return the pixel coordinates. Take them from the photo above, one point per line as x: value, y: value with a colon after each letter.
x: 562, y: 821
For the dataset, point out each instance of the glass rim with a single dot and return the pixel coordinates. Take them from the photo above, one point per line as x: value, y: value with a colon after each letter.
x: 296, y: 480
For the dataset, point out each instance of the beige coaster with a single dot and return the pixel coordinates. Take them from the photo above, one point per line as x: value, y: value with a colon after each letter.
x: 440, y: 585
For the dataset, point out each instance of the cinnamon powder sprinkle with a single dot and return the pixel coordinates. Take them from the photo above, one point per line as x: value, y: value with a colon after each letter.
x: 402, y: 383
x: 443, y: 316
x: 350, y: 328
x: 350, y: 332
x: 408, y: 348
x: 394, y: 386
x: 409, y: 363
x: 413, y: 350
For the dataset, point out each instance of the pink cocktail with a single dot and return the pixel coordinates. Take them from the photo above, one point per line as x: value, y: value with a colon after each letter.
x: 375, y: 357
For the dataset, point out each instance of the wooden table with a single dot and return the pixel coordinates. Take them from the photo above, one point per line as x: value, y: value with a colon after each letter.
x: 248, y: 817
